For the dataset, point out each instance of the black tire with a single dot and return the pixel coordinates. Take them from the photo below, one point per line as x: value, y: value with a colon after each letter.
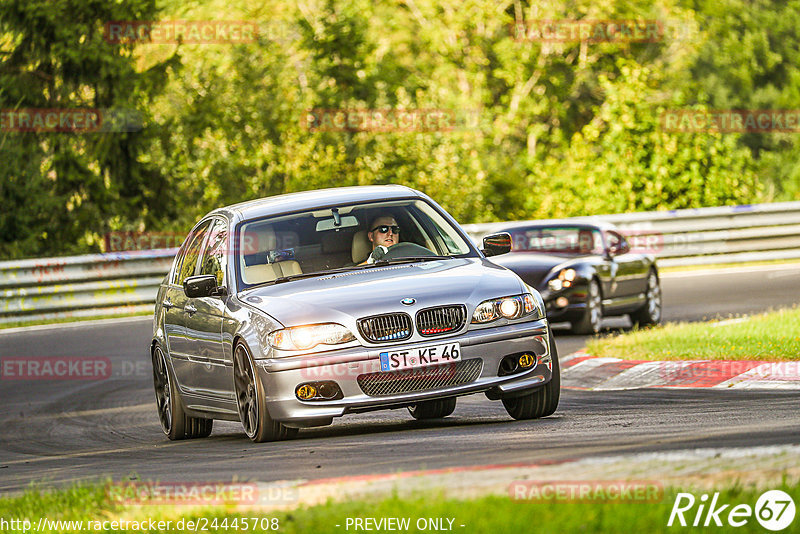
x: 174, y: 422
x: 251, y: 401
x: 650, y: 313
x: 433, y: 409
x: 592, y: 318
x: 541, y: 402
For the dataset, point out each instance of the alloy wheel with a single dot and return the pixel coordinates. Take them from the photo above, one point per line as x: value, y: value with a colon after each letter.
x: 654, y: 297
x: 163, y: 389
x: 246, y: 392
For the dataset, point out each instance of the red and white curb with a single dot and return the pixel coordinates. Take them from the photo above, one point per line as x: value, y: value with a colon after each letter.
x: 583, y: 371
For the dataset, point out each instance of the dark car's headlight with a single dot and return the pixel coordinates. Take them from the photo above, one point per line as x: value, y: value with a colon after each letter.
x: 513, y: 307
x: 309, y: 336
x: 564, y: 279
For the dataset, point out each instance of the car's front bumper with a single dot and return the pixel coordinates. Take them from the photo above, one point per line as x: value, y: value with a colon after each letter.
x: 282, y: 376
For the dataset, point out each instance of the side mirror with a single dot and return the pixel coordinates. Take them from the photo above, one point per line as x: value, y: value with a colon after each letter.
x: 204, y: 285
x: 618, y: 250
x: 496, y: 244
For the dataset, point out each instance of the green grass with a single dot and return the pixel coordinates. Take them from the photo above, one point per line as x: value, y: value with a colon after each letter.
x: 682, y: 268
x: 770, y: 336
x: 494, y: 514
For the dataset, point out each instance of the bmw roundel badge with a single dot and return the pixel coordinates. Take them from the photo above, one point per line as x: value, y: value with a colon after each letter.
x: 408, y: 301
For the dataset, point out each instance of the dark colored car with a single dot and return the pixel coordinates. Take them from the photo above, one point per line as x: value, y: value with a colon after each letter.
x: 584, y: 271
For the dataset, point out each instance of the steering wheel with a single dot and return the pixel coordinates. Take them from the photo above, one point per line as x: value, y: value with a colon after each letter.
x: 402, y: 250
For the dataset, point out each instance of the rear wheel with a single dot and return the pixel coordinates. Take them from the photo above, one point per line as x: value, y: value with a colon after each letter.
x: 251, y: 400
x: 651, y: 312
x: 174, y: 422
x: 433, y: 409
x: 592, y: 317
x: 543, y: 401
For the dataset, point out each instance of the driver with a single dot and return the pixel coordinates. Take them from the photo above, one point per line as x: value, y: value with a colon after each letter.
x: 384, y: 232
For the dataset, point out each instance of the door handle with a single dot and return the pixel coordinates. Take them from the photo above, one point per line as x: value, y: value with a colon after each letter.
x: 167, y: 304
x: 190, y: 309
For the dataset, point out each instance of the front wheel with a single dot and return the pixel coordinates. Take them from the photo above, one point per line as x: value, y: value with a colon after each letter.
x: 592, y: 317
x: 174, y: 422
x: 433, y: 409
x: 251, y: 401
x: 543, y: 401
x: 651, y: 311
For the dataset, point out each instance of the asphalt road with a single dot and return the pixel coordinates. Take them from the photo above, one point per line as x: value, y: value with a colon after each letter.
x: 57, y: 431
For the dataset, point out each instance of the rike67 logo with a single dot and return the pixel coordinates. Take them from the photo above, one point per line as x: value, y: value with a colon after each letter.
x: 774, y: 510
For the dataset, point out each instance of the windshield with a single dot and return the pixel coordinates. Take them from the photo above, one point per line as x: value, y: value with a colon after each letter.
x: 282, y: 248
x: 557, y: 240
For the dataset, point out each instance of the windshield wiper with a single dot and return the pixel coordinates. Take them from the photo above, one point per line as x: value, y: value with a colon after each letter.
x: 379, y: 263
x: 408, y: 259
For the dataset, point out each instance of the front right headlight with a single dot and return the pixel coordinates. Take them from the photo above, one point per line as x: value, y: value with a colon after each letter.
x: 512, y: 307
x: 309, y: 336
x: 564, y: 279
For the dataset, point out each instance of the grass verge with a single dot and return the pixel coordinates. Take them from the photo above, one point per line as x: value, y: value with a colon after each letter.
x: 491, y: 514
x: 734, y: 265
x: 773, y: 336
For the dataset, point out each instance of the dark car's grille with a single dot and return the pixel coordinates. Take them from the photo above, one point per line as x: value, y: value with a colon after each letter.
x: 389, y: 327
x: 421, y: 379
x: 441, y: 320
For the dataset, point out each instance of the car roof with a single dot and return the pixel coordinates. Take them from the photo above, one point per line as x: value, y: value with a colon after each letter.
x: 579, y: 222
x: 316, y: 199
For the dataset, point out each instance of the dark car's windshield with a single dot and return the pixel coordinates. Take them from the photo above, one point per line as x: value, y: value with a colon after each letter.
x: 557, y: 240
x: 287, y: 247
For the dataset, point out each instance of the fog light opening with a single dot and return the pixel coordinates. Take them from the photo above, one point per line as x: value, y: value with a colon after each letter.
x: 328, y: 390
x: 526, y: 360
x: 508, y: 366
x: 306, y: 392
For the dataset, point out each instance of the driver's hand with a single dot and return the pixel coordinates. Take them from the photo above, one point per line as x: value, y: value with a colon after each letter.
x: 377, y: 254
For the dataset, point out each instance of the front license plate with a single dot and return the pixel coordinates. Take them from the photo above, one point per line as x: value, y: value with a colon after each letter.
x: 394, y: 360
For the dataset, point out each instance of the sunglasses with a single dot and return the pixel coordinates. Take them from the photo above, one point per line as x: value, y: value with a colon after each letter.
x: 384, y: 228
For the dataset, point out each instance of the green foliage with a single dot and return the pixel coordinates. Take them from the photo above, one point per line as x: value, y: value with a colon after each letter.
x: 60, y: 190
x: 544, y: 129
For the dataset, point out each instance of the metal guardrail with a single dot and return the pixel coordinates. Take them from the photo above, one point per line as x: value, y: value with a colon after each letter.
x: 702, y: 236
x: 103, y: 284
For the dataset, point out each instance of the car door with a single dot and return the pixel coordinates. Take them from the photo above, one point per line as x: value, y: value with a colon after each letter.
x: 178, y: 344
x: 628, y: 272
x: 212, y: 374
x: 183, y: 344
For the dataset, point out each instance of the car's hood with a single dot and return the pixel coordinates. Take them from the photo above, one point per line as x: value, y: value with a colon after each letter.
x: 344, y: 297
x: 533, y: 267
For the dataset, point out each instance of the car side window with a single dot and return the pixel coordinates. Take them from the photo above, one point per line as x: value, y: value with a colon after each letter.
x: 214, y: 255
x: 186, y: 265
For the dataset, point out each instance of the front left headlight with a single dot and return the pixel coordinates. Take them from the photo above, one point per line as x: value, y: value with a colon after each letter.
x: 513, y: 307
x: 309, y: 336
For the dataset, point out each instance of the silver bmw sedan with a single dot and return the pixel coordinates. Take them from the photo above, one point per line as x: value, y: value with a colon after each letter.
x: 288, y: 311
